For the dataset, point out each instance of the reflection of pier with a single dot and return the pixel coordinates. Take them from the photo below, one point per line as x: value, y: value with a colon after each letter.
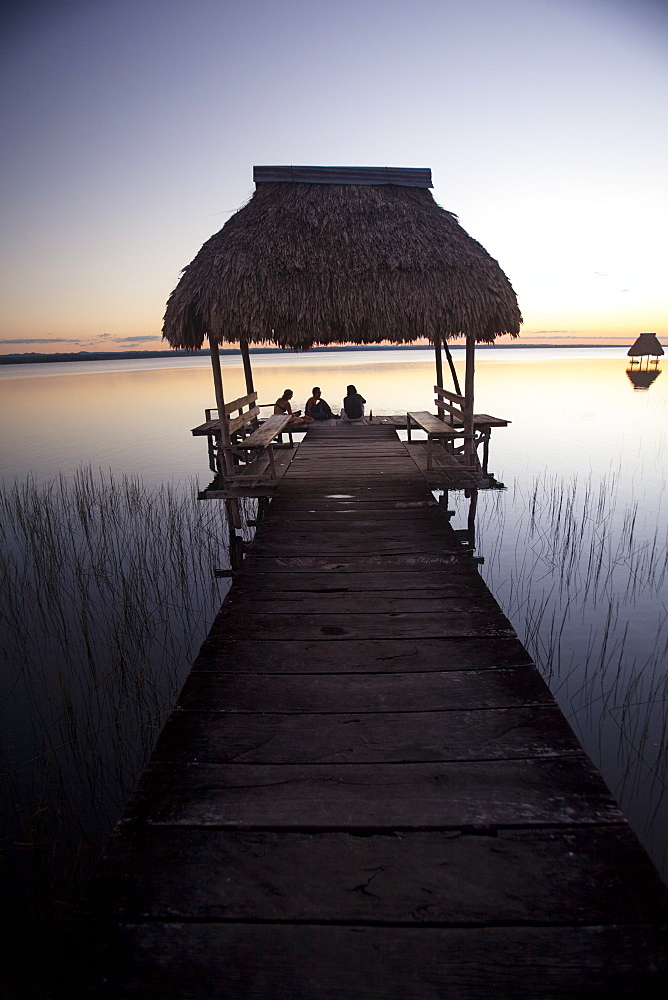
x: 366, y: 788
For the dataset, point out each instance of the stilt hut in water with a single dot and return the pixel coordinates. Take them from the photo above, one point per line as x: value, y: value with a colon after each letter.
x: 645, y: 346
x: 340, y: 255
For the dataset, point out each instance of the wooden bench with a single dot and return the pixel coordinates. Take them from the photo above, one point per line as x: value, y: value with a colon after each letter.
x: 245, y: 433
x: 263, y: 438
x: 455, y: 411
x: 434, y: 428
x: 245, y: 417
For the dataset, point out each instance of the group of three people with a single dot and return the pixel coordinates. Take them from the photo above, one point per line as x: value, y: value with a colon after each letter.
x: 317, y: 409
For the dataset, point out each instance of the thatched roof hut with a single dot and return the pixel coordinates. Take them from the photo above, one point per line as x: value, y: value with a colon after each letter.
x: 646, y: 344
x: 341, y: 255
x: 329, y: 255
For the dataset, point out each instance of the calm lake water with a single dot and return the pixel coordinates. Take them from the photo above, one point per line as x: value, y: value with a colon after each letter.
x: 574, y: 548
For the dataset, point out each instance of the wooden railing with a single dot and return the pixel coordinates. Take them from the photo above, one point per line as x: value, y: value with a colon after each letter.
x: 456, y: 414
x: 245, y: 436
x: 458, y: 411
x: 244, y: 416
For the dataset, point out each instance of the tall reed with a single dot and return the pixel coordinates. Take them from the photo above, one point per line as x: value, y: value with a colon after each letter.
x: 580, y: 566
x: 107, y: 589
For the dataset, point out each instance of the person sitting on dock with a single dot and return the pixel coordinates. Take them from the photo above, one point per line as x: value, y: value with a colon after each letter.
x: 353, y: 406
x: 317, y: 408
x: 282, y: 406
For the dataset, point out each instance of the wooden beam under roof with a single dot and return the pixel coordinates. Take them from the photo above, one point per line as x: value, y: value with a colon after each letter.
x: 402, y: 176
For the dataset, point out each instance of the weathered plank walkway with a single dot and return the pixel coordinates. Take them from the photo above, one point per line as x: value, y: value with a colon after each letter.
x: 367, y: 791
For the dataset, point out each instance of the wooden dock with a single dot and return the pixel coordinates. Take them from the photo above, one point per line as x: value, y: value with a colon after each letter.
x: 367, y: 791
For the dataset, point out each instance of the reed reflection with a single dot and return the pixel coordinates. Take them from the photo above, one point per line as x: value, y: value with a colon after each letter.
x: 581, y: 574
x: 107, y: 590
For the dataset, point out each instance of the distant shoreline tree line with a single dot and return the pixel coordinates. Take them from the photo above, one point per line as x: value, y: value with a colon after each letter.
x: 35, y: 358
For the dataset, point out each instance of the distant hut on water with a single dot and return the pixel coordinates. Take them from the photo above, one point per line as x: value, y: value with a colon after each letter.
x: 647, y: 344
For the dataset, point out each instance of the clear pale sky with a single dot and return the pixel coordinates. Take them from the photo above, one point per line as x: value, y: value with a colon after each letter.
x: 130, y: 129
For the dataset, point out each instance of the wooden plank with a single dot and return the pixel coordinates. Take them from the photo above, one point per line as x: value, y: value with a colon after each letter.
x: 529, y: 792
x: 427, y: 521
x: 399, y: 625
x: 451, y: 415
x: 421, y: 532
x: 381, y: 538
x: 298, y: 490
x: 265, y: 434
x: 365, y: 737
x: 301, y: 962
x: 208, y: 427
x: 443, y: 458
x: 383, y: 692
x: 236, y: 423
x: 382, y: 603
x: 425, y: 584
x: 289, y: 601
x: 377, y: 543
x: 350, y: 656
x: 391, y: 514
x: 354, y: 454
x: 359, y: 481
x: 431, y: 425
x: 238, y: 404
x: 451, y: 396
x: 422, y: 878
x: 365, y: 475
x: 485, y: 420
x: 347, y: 562
x: 320, y: 505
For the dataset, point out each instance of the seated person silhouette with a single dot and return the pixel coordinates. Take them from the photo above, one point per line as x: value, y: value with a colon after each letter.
x: 317, y: 408
x: 353, y: 406
x: 282, y: 406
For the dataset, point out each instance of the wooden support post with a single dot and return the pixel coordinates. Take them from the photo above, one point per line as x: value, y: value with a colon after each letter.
x: 469, y: 444
x: 225, y: 465
x: 439, y: 368
x: 248, y: 372
x: 487, y: 433
x: 270, y: 453
x: 453, y: 370
x: 473, y: 506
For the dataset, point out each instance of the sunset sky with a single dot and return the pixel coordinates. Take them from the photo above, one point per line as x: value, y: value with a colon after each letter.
x: 131, y: 127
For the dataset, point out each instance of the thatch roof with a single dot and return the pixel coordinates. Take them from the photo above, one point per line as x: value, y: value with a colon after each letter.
x: 646, y: 344
x: 367, y: 259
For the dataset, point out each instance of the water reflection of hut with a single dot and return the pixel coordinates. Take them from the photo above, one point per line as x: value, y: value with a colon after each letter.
x: 341, y: 255
x: 642, y: 379
x: 647, y: 344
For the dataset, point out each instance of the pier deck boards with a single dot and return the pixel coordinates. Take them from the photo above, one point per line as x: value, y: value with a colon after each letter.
x: 367, y: 790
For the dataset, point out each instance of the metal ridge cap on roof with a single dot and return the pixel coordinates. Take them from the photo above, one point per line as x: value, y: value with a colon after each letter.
x: 402, y: 176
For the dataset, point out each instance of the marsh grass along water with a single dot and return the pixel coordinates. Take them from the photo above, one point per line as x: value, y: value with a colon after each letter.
x: 107, y: 588
x: 582, y: 576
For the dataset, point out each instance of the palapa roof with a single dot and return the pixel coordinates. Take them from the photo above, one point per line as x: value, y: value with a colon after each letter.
x: 646, y: 344
x: 330, y: 255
